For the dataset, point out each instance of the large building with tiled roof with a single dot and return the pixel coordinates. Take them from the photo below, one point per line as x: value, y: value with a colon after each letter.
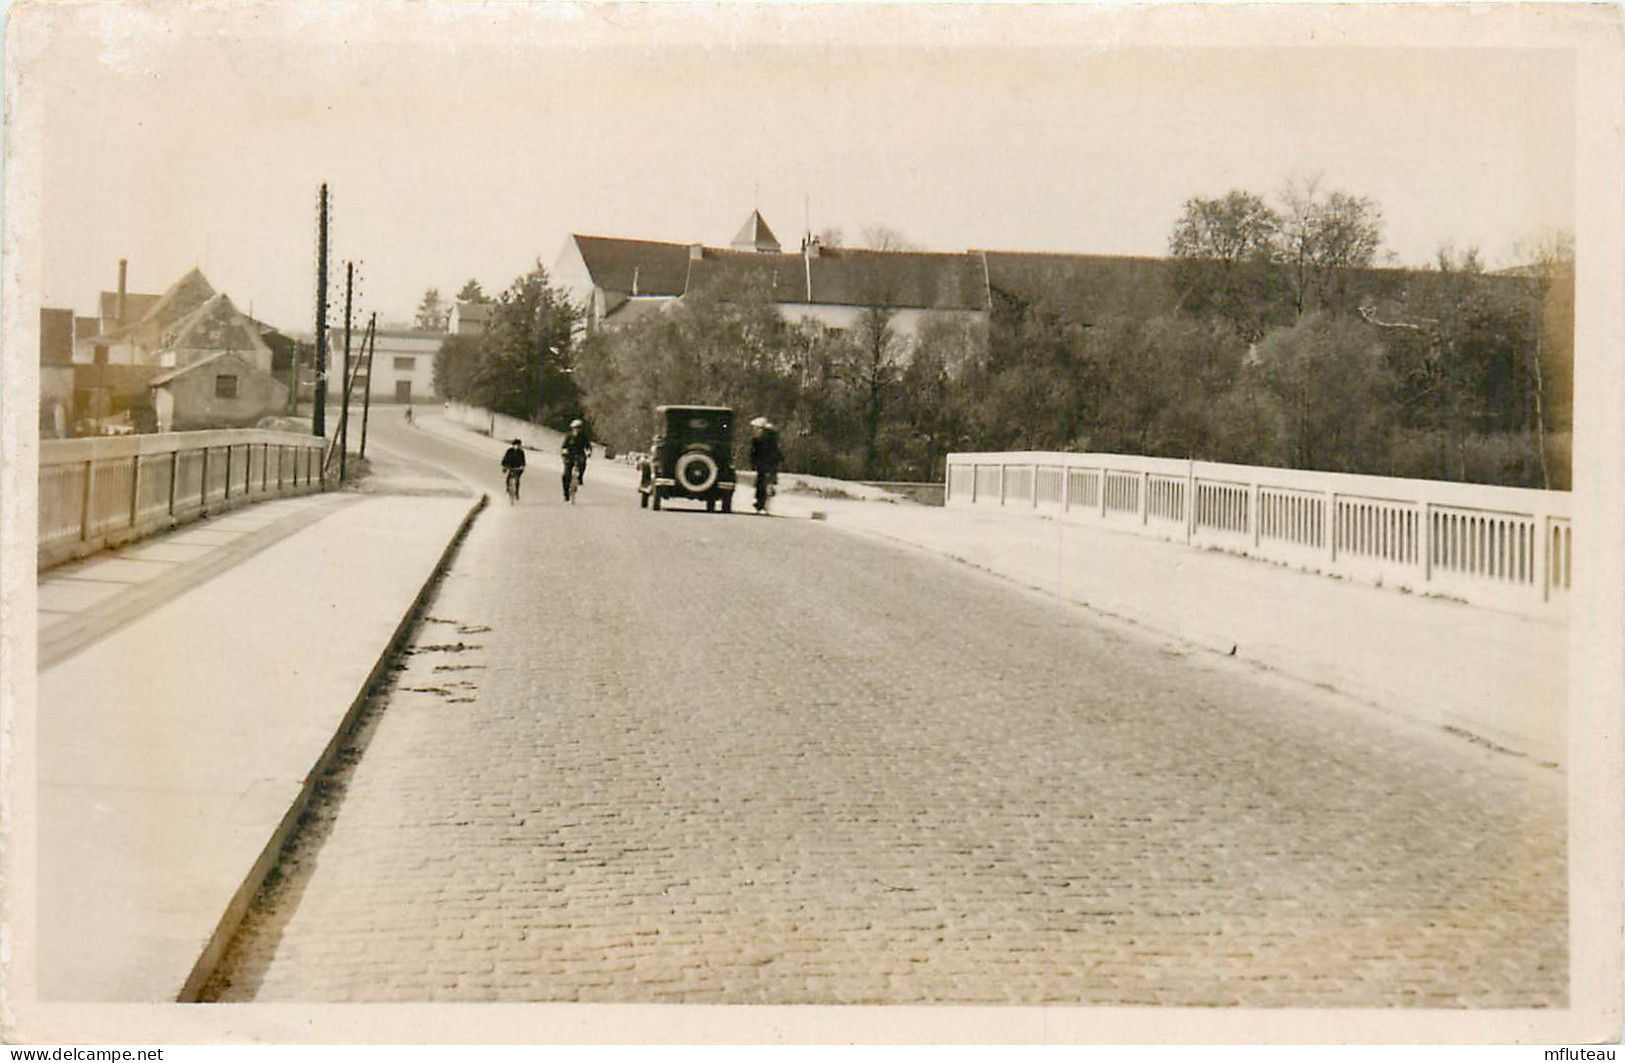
x: 618, y: 280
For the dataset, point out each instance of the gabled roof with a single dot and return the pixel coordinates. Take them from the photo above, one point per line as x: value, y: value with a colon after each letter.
x: 834, y: 276
x: 640, y: 267
x: 720, y: 272
x: 216, y: 325
x: 182, y: 298
x: 919, y: 280
x: 1082, y: 285
x: 239, y: 357
x: 754, y: 235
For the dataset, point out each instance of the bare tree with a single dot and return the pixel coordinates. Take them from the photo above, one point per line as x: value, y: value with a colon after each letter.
x: 831, y: 236
x: 877, y: 237
x: 1550, y: 258
x: 1237, y: 228
x: 1225, y: 249
x: 1323, y: 236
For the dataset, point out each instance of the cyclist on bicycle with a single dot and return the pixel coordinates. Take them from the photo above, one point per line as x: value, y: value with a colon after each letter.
x: 576, y: 449
x: 765, y: 458
x: 513, y: 463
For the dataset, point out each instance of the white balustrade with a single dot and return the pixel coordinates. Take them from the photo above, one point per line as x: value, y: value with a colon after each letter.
x: 1503, y: 546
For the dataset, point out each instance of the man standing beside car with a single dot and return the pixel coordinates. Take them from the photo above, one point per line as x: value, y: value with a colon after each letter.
x: 765, y: 458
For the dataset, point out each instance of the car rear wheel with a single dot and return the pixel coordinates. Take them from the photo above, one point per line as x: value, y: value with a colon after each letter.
x: 696, y: 471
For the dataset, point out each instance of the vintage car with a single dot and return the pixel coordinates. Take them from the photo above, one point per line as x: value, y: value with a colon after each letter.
x: 691, y: 457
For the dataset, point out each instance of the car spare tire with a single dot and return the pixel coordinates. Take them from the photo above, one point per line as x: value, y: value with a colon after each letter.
x: 696, y: 471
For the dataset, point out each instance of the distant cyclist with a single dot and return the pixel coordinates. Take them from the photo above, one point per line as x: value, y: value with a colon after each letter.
x: 765, y: 458
x: 513, y: 462
x: 576, y: 449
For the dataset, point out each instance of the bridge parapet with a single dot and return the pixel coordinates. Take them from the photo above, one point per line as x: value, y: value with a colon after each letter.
x: 95, y: 493
x: 1498, y: 546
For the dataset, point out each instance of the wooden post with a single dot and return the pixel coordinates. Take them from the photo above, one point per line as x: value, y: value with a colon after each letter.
x: 369, y: 344
x: 318, y: 420
x: 86, y: 497
x: 135, y: 488
x: 344, y: 380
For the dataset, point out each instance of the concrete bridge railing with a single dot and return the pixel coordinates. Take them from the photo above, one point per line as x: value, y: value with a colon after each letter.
x: 502, y: 427
x: 96, y: 493
x: 1498, y: 546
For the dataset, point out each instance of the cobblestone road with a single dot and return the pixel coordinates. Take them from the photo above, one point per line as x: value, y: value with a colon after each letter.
x: 640, y: 757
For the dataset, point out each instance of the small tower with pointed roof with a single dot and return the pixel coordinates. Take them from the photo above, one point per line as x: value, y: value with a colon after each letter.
x: 756, y: 236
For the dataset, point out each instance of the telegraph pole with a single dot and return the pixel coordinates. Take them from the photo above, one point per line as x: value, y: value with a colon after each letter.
x: 344, y: 415
x: 369, y: 343
x: 318, y: 419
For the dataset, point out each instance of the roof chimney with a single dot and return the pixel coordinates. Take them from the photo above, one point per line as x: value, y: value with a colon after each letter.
x: 118, y: 308
x: 696, y: 252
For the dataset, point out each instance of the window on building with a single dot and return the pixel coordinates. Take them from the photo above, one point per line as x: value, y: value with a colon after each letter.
x: 405, y: 364
x: 225, y: 386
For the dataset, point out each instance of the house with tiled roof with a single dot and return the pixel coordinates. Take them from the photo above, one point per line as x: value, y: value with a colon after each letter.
x: 215, y: 325
x: 225, y: 389
x: 618, y: 280
x: 138, y: 338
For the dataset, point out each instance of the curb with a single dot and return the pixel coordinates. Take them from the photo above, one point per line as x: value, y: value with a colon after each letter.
x: 232, y: 918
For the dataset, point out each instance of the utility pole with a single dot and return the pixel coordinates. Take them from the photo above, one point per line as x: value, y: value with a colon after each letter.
x: 293, y: 381
x: 369, y: 343
x: 318, y: 420
x: 344, y: 415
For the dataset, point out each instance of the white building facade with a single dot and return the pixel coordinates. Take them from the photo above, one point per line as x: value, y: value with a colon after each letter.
x: 402, y: 364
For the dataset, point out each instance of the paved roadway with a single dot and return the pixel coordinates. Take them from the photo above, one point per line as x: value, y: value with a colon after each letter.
x: 673, y: 757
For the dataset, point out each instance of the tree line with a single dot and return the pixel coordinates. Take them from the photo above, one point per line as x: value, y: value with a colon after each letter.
x: 1269, y: 336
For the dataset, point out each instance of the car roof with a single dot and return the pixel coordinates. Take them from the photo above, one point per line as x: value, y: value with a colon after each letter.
x: 696, y: 409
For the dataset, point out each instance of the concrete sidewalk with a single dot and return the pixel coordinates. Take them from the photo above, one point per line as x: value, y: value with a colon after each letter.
x: 190, y: 687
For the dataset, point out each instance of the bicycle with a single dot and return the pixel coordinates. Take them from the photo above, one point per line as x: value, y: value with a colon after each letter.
x: 513, y: 485
x: 573, y: 487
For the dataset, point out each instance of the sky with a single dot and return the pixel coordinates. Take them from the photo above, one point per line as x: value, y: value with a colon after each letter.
x: 469, y: 140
